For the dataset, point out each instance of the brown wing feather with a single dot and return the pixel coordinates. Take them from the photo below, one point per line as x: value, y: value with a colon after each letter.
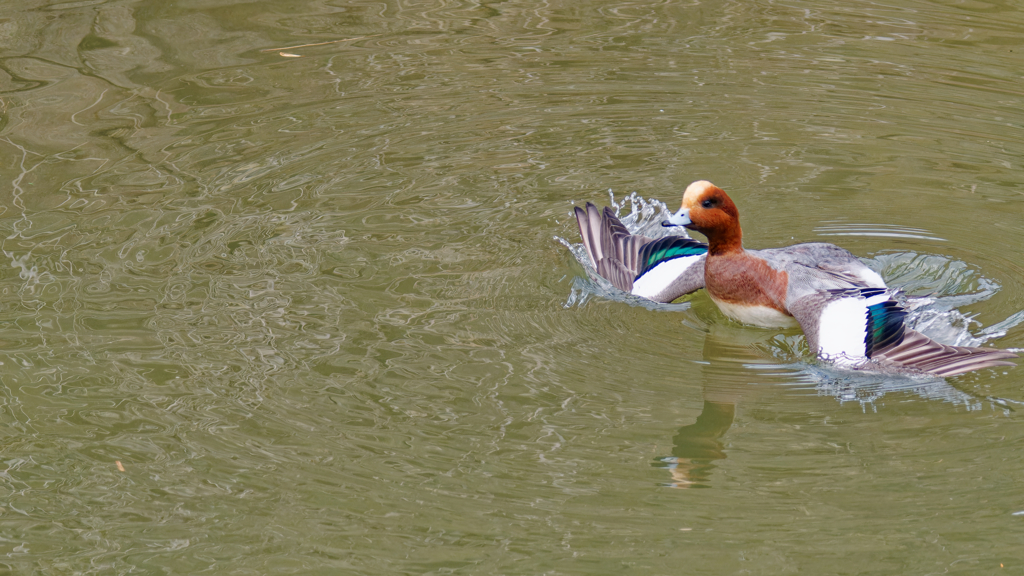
x: 613, y: 251
x: 919, y: 352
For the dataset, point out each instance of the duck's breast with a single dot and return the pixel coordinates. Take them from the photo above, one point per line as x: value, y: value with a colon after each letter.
x: 747, y: 289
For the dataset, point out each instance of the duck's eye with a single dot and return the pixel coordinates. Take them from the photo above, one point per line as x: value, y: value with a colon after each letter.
x: 707, y: 204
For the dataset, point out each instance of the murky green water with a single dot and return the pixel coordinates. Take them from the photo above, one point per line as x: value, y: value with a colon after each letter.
x: 311, y: 301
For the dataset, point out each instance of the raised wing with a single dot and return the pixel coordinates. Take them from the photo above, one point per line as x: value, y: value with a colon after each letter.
x: 660, y: 269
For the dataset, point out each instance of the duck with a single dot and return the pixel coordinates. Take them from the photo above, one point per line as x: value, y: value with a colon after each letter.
x: 848, y: 315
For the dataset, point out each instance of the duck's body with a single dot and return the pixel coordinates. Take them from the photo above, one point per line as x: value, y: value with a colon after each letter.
x: 844, y: 308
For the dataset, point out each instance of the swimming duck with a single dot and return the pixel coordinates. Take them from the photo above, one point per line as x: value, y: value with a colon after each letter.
x: 844, y: 308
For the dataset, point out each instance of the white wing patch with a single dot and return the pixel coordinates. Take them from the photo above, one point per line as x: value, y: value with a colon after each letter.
x: 657, y: 279
x: 842, y: 327
x: 871, y: 278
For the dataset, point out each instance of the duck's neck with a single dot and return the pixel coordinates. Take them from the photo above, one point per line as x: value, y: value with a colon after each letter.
x: 725, y: 242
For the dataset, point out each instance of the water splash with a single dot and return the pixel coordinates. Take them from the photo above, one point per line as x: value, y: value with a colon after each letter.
x: 644, y: 218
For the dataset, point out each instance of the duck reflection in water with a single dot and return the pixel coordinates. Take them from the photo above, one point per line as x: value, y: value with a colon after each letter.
x: 698, y: 445
x: 732, y: 355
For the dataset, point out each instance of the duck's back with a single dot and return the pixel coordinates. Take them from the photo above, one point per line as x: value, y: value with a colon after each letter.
x: 816, y: 267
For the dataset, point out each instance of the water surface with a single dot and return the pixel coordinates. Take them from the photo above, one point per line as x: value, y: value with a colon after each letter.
x: 294, y: 268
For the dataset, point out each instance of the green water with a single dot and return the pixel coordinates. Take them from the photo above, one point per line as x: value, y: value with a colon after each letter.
x: 311, y: 301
